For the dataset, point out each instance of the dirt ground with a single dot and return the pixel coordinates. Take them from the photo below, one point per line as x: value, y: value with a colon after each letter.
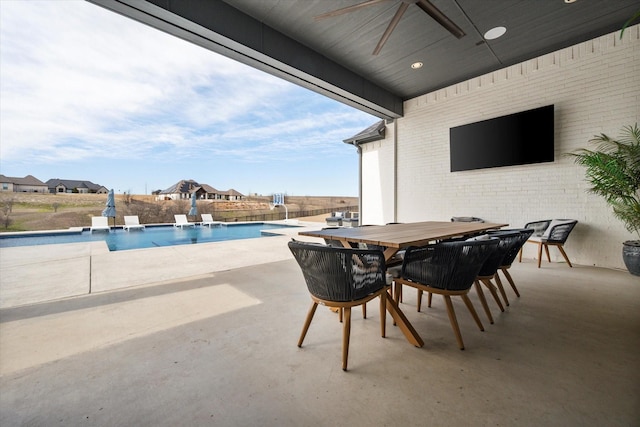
x: 33, y: 211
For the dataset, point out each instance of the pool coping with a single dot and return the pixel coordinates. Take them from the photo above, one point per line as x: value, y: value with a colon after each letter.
x: 78, y: 230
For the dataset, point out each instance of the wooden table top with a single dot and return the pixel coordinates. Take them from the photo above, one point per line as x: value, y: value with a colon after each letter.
x: 400, y: 236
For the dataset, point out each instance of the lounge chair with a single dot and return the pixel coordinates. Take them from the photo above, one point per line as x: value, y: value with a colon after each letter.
x: 182, y: 221
x: 207, y: 220
x: 335, y: 219
x: 132, y: 222
x: 352, y: 221
x: 99, y: 223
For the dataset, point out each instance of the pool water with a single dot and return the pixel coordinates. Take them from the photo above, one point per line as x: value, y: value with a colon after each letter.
x: 119, y: 240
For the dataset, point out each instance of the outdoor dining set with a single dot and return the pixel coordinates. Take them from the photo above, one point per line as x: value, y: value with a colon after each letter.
x: 358, y: 264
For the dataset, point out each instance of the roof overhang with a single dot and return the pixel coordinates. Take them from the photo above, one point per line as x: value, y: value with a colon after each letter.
x: 375, y: 132
x: 217, y: 26
x: 336, y: 57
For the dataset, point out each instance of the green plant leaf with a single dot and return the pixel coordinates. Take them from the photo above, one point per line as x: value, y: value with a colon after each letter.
x: 613, y: 171
x: 629, y: 21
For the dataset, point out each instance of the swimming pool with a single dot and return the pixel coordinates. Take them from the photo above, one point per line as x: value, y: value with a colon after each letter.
x: 151, y: 236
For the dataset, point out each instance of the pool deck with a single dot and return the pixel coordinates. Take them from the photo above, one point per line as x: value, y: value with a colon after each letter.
x: 37, y: 274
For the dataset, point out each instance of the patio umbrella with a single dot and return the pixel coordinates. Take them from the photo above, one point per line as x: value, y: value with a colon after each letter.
x: 110, y: 210
x: 194, y: 209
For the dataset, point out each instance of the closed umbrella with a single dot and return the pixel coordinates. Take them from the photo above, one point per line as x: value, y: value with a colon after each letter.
x: 194, y: 209
x: 110, y: 210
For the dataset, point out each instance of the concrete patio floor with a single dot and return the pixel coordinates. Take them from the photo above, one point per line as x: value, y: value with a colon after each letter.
x: 219, y: 348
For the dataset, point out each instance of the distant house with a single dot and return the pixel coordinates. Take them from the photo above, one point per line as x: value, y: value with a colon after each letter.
x: 185, y: 188
x: 57, y: 185
x: 28, y: 184
x: 232, y: 195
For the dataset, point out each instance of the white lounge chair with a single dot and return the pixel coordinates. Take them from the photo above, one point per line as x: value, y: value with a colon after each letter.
x: 132, y: 223
x: 182, y: 221
x: 99, y: 223
x: 207, y: 220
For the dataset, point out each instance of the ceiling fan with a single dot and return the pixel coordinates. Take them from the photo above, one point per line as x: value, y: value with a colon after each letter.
x: 425, y: 5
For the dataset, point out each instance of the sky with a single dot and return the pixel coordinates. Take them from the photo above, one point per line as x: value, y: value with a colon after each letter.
x: 87, y: 94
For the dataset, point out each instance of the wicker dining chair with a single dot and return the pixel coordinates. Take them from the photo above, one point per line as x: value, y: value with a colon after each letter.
x: 489, y: 271
x: 448, y: 269
x: 550, y: 233
x: 341, y: 278
x: 512, y: 253
x: 466, y: 219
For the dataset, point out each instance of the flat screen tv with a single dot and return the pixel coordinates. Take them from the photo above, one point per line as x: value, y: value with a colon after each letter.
x: 517, y: 139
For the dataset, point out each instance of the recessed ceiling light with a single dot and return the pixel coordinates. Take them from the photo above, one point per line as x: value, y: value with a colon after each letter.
x: 569, y: 1
x: 494, y: 33
x: 417, y: 65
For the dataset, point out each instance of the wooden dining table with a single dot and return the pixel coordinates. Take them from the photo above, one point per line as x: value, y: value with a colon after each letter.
x: 400, y: 236
x: 395, y: 237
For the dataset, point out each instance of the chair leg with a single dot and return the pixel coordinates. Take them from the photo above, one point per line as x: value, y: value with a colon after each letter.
x: 454, y: 321
x: 546, y: 250
x: 501, y: 289
x: 364, y: 310
x: 307, y: 322
x: 472, y: 310
x: 419, y: 299
x: 539, y: 254
x: 429, y: 298
x: 483, y: 300
x: 383, y: 313
x: 510, y: 279
x: 520, y: 255
x: 345, y: 337
x: 492, y: 289
x: 564, y: 254
x: 340, y: 315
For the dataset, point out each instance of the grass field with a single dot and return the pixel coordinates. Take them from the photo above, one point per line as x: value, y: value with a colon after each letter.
x: 33, y: 211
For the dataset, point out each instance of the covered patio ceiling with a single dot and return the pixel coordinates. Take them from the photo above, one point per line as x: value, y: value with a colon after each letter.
x: 334, y: 55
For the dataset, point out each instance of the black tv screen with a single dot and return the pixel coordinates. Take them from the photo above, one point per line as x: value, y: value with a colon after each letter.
x: 517, y: 139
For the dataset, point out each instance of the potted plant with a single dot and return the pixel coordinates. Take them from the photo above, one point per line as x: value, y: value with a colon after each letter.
x: 613, y: 170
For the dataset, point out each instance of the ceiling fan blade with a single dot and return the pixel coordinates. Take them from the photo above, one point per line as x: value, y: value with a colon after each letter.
x: 440, y: 18
x: 347, y: 9
x: 392, y: 25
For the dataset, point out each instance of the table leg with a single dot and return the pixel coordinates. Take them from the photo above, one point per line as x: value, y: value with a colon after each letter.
x: 346, y: 244
x: 389, y: 253
x: 403, y: 323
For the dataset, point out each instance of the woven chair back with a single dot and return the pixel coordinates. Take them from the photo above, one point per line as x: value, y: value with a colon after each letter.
x: 447, y: 265
x: 560, y: 230
x: 339, y: 274
x: 512, y: 252
x: 495, y: 259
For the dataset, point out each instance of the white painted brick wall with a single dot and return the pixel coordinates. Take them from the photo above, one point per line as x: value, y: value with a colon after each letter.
x: 595, y: 87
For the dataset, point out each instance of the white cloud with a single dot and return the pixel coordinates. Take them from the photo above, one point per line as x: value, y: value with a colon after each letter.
x: 115, y: 70
x: 78, y: 82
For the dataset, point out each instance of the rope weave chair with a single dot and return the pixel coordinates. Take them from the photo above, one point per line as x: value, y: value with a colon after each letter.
x: 448, y: 269
x: 341, y: 278
x: 489, y: 270
x: 550, y: 233
x: 512, y: 253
